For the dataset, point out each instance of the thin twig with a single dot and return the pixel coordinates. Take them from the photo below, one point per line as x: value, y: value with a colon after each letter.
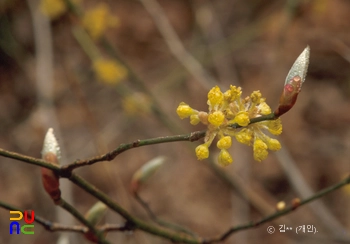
x: 53, y: 227
x: 134, y: 222
x: 304, y: 190
x: 280, y: 213
x: 98, y: 234
x: 139, y: 143
x: 48, y: 225
x: 67, y: 169
x: 163, y: 223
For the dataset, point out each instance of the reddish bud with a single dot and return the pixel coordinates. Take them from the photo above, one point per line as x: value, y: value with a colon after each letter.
x: 296, y: 203
x: 51, y: 154
x: 294, y: 81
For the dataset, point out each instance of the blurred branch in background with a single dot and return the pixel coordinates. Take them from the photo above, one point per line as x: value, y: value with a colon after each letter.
x: 44, y: 77
x: 176, y: 46
x: 208, y: 20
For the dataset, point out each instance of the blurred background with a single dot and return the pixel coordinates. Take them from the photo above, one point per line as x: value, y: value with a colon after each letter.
x: 102, y: 73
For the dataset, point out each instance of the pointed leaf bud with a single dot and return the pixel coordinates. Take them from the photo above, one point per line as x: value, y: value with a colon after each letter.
x: 94, y: 215
x: 142, y: 174
x: 293, y: 83
x: 51, y: 154
x: 96, y: 212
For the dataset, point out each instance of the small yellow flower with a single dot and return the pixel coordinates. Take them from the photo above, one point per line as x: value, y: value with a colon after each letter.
x: 273, y: 144
x: 184, y: 110
x: 244, y: 136
x: 236, y: 92
x: 274, y: 126
x: 260, y: 150
x: 98, y: 20
x: 255, y: 96
x: 224, y: 143
x: 194, y: 119
x: 53, y: 8
x: 216, y: 118
x: 241, y: 118
x: 136, y: 104
x: 202, y: 151
x: 215, y: 96
x: 109, y: 71
x: 264, y: 108
x: 225, y: 158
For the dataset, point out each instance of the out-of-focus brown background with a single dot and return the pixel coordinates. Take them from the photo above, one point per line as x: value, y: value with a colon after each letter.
x: 247, y: 43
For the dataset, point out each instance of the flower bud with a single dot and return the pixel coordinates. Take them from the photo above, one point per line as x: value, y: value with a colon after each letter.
x: 281, y: 205
x: 96, y: 212
x: 51, y: 154
x: 293, y: 83
x: 142, y: 174
x: 94, y: 215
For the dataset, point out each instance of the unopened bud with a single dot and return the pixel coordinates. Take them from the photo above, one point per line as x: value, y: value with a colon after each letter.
x: 96, y: 212
x: 94, y: 215
x: 296, y: 203
x: 281, y: 205
x: 293, y: 83
x: 51, y: 154
x: 142, y: 174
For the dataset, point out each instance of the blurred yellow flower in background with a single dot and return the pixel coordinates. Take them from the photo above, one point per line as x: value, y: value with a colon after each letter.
x: 136, y: 104
x: 98, y: 19
x: 53, y: 8
x: 109, y: 71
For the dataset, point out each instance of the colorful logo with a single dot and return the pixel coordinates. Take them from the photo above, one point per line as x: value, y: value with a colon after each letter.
x: 28, y: 228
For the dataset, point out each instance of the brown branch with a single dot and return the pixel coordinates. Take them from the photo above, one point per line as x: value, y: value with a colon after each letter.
x: 161, y: 222
x: 194, y: 136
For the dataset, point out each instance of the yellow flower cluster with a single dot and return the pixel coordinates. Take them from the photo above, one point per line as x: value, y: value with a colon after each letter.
x: 98, y: 20
x: 228, y: 109
x: 109, y: 71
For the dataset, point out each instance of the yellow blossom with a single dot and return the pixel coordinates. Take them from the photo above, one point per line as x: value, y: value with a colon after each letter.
x: 264, y: 108
x: 224, y: 143
x: 202, y: 151
x: 225, y: 158
x: 215, y: 96
x: 235, y: 92
x: 194, y: 119
x: 53, y: 8
x: 244, y: 136
x: 98, y: 20
x: 255, y: 96
x: 241, y: 118
x: 260, y: 150
x: 109, y: 71
x: 274, y: 126
x: 227, y: 113
x: 273, y: 144
x: 136, y: 104
x: 184, y: 110
x: 216, y: 118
